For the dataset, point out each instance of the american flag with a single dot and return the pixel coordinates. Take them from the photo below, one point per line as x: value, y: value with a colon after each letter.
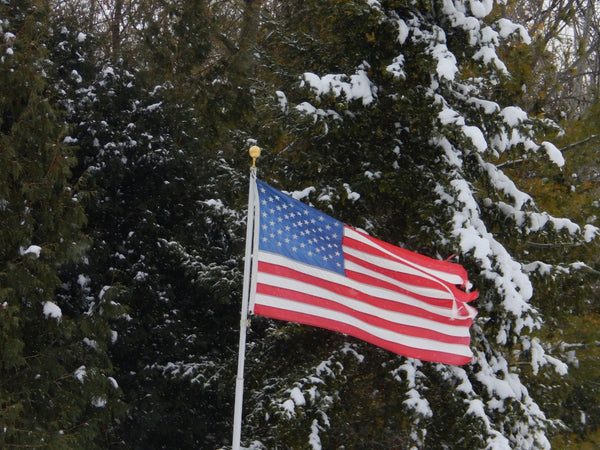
x: 315, y: 270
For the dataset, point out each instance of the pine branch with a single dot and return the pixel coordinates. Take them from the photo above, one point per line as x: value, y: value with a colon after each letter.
x: 564, y: 149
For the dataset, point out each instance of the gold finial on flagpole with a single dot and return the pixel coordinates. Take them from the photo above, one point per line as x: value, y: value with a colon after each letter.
x: 254, y: 153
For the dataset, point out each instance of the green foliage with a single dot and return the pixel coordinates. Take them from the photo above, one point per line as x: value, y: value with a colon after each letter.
x: 166, y: 240
x: 43, y: 346
x: 570, y: 298
x: 123, y: 154
x: 396, y: 152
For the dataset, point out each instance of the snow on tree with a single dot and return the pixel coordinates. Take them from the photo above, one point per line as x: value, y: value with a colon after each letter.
x: 45, y: 336
x: 166, y: 243
x: 391, y: 114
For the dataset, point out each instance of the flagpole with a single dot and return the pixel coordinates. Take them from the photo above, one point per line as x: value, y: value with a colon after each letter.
x: 239, y: 381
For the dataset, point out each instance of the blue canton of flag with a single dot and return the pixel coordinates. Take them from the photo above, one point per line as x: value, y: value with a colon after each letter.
x: 290, y: 228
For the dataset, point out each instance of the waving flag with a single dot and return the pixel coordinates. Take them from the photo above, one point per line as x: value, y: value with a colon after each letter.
x: 315, y: 270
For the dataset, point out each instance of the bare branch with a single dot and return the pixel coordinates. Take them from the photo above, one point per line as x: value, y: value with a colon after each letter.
x: 576, y: 144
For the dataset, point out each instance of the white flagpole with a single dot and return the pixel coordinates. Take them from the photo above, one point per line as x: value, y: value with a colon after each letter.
x: 250, y: 237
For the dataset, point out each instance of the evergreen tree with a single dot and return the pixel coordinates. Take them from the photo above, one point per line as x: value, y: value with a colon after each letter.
x: 570, y: 305
x: 397, y: 117
x: 150, y: 122
x: 394, y: 115
x: 539, y: 83
x: 56, y: 387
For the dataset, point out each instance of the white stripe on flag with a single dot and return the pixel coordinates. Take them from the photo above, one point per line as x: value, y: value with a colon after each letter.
x: 347, y: 319
x: 421, y: 270
x: 360, y: 306
x: 415, y: 289
x: 372, y: 290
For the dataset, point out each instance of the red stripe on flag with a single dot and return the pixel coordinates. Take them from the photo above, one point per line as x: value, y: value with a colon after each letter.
x: 391, y: 305
x: 411, y: 352
x: 415, y: 281
x: 419, y: 260
x: 373, y: 281
x: 379, y: 322
x: 426, y: 280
